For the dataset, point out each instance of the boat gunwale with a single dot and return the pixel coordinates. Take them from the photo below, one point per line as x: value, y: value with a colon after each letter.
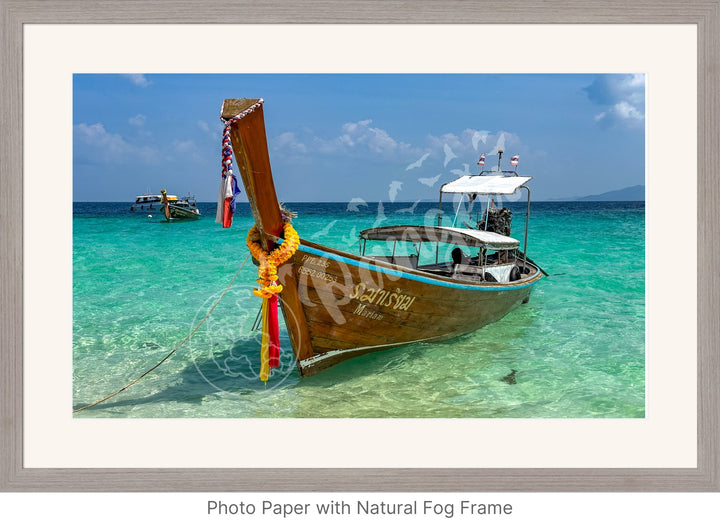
x: 400, y: 271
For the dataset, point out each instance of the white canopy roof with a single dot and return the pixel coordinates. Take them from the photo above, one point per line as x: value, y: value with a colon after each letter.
x: 443, y: 234
x: 494, y: 184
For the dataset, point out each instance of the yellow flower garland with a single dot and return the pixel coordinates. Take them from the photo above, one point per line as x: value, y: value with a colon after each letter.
x: 269, y: 262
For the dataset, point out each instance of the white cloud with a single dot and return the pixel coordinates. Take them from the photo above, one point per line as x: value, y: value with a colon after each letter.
x: 137, y: 121
x: 184, y: 146
x: 460, y: 150
x: 626, y: 111
x: 109, y: 146
x: 355, y: 138
x: 96, y: 135
x: 452, y: 141
x: 621, y: 113
x: 188, y: 149
x: 461, y: 142
x: 288, y: 141
x: 137, y: 79
x: 622, y: 98
x: 452, y: 151
x: 210, y: 132
x: 361, y: 135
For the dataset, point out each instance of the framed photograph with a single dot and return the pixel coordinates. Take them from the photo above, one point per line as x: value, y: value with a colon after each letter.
x: 112, y: 262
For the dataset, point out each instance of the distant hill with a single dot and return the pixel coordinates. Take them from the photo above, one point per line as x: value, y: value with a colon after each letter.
x: 633, y: 193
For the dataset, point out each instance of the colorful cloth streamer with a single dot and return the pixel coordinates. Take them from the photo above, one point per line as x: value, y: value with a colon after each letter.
x: 228, y: 184
x: 273, y: 331
x: 265, y: 346
x: 270, y: 346
x: 226, y: 200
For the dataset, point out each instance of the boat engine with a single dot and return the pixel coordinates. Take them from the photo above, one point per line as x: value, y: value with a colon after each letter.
x: 498, y: 220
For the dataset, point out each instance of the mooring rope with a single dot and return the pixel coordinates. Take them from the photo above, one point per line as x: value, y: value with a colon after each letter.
x: 176, y: 348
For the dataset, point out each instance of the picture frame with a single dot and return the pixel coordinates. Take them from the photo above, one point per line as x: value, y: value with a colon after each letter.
x: 15, y: 477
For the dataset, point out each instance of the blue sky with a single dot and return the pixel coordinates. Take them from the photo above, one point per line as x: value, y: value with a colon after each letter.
x: 335, y: 137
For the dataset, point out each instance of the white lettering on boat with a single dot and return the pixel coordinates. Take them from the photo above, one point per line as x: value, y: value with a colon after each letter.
x: 363, y: 311
x: 317, y: 261
x: 317, y: 274
x: 382, y: 297
x: 335, y: 290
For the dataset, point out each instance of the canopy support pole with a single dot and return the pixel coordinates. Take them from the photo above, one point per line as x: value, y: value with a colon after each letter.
x: 439, y: 218
x: 457, y: 212
x: 527, y: 221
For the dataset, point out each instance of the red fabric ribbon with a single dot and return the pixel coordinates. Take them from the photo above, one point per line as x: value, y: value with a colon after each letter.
x: 274, y: 332
x: 227, y: 213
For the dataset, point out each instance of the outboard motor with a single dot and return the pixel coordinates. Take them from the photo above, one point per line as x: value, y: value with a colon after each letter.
x: 498, y: 220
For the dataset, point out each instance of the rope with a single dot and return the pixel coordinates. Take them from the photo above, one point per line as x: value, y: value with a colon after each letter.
x: 227, y: 152
x: 131, y: 383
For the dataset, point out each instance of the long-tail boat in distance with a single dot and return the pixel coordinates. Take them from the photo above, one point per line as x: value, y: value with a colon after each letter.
x: 179, y: 209
x: 407, y: 284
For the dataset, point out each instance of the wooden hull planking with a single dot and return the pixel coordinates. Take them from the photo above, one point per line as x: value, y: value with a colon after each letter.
x: 354, y: 305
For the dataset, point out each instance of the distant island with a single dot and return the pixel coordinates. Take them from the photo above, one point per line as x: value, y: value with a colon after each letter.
x: 633, y: 193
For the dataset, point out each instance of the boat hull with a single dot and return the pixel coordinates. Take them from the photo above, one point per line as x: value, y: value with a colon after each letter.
x: 147, y: 207
x: 350, y: 305
x: 178, y: 212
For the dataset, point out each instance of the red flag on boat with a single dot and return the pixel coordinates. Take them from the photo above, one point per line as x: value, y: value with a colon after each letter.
x: 228, y: 184
x: 481, y: 162
x: 226, y: 200
x: 514, y: 160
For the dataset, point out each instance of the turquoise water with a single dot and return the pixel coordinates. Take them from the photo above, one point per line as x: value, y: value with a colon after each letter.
x: 141, y: 286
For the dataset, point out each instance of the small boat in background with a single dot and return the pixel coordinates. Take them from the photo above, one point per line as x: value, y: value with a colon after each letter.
x: 150, y: 202
x: 179, y: 209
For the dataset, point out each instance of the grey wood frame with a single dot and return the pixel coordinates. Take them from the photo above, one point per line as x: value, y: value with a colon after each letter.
x: 15, y: 13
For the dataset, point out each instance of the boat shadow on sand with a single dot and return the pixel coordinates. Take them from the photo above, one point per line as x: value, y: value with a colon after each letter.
x: 235, y: 370
x: 468, y: 351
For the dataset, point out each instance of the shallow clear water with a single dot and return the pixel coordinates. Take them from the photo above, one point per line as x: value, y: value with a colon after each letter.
x: 141, y: 286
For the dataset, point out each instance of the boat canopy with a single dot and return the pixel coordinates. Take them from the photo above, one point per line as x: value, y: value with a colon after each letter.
x: 441, y: 234
x: 148, y: 198
x: 495, y: 183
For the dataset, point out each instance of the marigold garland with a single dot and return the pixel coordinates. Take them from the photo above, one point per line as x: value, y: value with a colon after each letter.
x: 269, y: 262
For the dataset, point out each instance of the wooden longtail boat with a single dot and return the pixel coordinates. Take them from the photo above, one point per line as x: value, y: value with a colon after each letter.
x: 339, y: 305
x: 179, y: 209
